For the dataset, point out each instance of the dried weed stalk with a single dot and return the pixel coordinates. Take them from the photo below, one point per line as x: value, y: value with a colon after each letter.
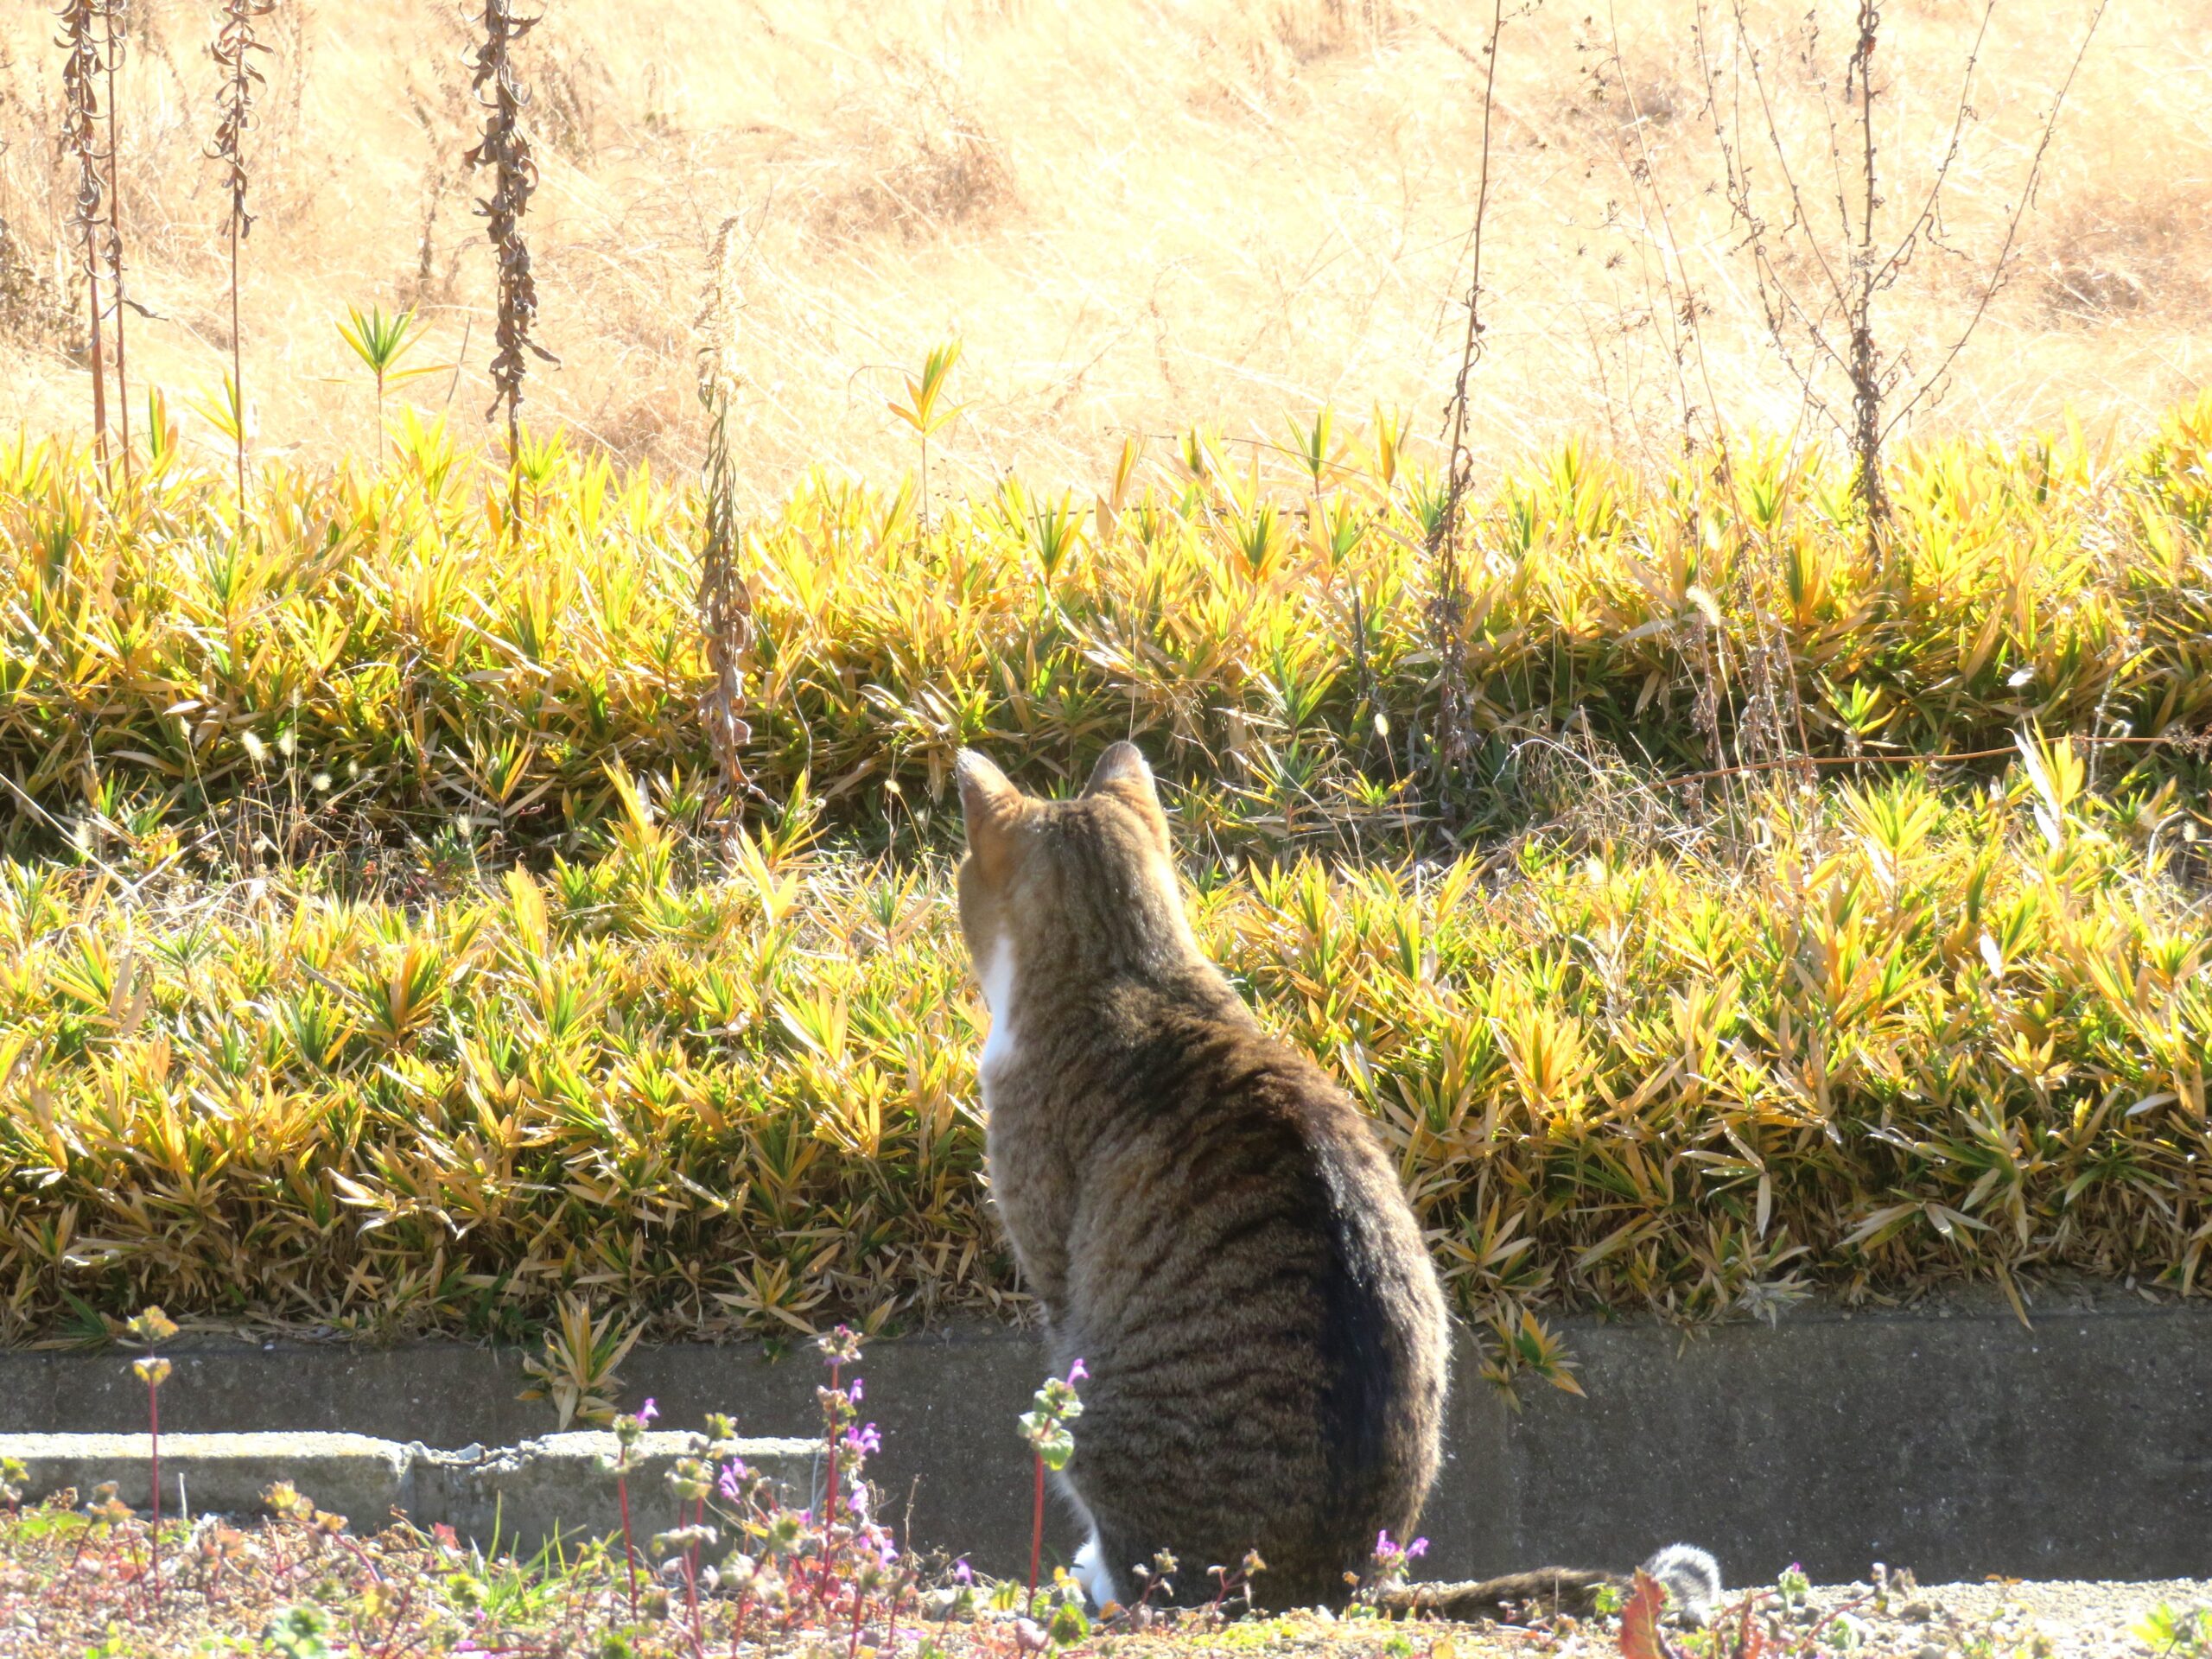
x: 80, y: 72
x: 1447, y: 608
x: 234, y: 50
x: 1822, y: 322
x: 115, y: 18
x: 725, y: 600
x: 505, y: 148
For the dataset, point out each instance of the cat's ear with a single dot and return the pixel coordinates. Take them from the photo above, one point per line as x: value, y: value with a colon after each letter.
x: 988, y: 804
x: 1121, y: 772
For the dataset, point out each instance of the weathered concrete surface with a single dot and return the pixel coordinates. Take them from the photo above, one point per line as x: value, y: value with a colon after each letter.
x: 1949, y: 1439
x: 519, y: 1496
x: 1953, y: 1441
x: 352, y: 1475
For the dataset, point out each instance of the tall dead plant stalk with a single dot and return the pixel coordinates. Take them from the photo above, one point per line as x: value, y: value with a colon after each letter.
x: 80, y: 72
x: 1448, y: 606
x: 505, y: 148
x: 1818, y: 291
x: 115, y: 19
x: 234, y: 50
x: 725, y: 599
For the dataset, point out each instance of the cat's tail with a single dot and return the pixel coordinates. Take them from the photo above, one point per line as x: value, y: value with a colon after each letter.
x: 1690, y: 1576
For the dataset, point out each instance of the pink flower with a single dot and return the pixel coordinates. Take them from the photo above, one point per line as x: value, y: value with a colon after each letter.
x: 647, y: 1412
x: 1077, y: 1373
x: 856, y: 1391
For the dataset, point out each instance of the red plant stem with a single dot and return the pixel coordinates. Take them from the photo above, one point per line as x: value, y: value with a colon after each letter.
x: 691, y: 1596
x: 830, y: 1500
x: 154, y: 1462
x: 629, y: 1555
x: 859, y: 1605
x: 1036, y: 1533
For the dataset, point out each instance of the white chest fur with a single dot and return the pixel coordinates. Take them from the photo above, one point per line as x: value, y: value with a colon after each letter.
x: 996, y: 973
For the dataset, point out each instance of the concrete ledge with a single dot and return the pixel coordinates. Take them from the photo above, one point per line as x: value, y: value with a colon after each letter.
x: 1948, y: 1438
x: 519, y: 1498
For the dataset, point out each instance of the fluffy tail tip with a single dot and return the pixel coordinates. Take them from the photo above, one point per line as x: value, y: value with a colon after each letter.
x: 1691, y: 1577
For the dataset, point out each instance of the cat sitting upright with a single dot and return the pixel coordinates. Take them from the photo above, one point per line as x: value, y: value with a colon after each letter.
x: 1210, y: 1225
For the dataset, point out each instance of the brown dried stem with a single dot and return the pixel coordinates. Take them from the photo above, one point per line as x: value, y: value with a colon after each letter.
x: 114, y: 15
x: 505, y: 148
x: 725, y: 599
x: 1820, y: 333
x: 1447, y: 610
x: 80, y: 71
x: 232, y: 50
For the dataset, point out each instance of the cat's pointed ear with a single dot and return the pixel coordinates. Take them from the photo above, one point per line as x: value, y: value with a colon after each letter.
x: 988, y: 802
x: 1121, y: 772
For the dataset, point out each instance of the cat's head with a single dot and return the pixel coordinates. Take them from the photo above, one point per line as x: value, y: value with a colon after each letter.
x: 1073, y: 888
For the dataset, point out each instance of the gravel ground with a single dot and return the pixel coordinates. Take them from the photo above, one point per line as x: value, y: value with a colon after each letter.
x: 2071, y: 1619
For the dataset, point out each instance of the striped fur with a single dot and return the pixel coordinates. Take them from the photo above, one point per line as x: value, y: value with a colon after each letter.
x: 1210, y: 1223
x: 1208, y: 1220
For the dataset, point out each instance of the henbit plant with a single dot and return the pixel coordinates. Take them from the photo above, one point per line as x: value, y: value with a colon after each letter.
x: 505, y: 148
x: 629, y: 1429
x: 151, y: 1328
x: 920, y: 411
x: 234, y: 50
x: 79, y: 142
x: 840, y: 1409
x: 1045, y: 1426
x: 380, y: 341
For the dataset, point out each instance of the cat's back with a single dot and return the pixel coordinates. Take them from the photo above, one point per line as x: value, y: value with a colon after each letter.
x: 1244, y: 1273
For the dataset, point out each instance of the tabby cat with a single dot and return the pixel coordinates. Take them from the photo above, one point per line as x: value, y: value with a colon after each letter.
x: 1210, y: 1224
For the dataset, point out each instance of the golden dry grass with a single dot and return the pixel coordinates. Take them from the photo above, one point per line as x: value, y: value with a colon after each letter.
x: 1138, y: 215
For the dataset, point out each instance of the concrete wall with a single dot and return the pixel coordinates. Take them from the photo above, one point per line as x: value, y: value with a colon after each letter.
x: 1953, y: 1441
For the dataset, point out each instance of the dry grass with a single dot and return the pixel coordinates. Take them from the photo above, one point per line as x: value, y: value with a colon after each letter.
x: 1138, y: 216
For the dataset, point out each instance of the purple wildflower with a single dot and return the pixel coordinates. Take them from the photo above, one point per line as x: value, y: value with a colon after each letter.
x: 734, y: 1477
x: 855, y: 1391
x: 1418, y: 1548
x: 962, y: 1572
x: 1076, y: 1372
x: 864, y: 1440
x: 647, y: 1412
